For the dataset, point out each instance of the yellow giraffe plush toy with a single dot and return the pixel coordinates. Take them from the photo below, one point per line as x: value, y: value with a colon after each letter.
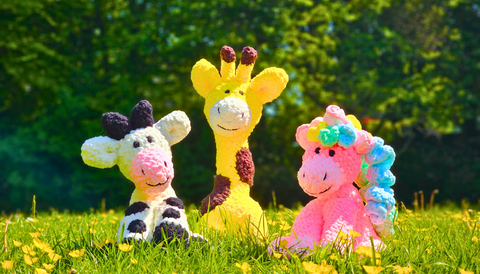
x: 233, y: 107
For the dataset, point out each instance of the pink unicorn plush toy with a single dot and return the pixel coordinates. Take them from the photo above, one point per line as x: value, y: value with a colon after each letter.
x: 337, y: 153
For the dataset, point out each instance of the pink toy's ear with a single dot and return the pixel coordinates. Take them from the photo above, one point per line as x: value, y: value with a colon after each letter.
x: 301, y: 135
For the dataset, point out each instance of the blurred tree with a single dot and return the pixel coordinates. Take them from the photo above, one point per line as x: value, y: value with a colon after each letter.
x: 408, y: 65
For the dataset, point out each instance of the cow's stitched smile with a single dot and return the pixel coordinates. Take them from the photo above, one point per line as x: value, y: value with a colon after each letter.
x: 159, y: 184
x: 233, y: 129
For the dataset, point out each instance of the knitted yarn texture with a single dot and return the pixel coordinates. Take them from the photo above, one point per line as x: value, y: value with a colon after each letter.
x: 141, y: 149
x: 337, y: 153
x: 233, y: 107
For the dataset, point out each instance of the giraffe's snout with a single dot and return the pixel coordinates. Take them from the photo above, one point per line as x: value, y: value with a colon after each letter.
x: 230, y: 115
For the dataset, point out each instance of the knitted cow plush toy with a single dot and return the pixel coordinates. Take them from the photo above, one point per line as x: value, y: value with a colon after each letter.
x: 141, y: 149
x: 233, y: 107
x: 337, y: 153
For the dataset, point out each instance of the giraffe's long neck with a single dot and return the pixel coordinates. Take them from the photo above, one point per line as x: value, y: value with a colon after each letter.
x: 227, y: 157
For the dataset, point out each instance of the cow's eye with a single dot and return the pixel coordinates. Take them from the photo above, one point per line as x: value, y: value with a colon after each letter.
x: 149, y: 139
x: 136, y: 144
x: 317, y: 150
x: 331, y: 152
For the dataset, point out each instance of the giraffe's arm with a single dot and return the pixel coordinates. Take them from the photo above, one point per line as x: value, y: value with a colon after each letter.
x: 269, y: 84
x: 205, y: 77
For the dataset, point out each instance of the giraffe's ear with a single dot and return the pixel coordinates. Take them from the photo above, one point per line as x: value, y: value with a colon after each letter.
x: 205, y: 77
x: 269, y: 84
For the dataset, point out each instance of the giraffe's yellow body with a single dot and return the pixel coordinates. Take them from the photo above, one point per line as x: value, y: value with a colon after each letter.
x: 233, y: 107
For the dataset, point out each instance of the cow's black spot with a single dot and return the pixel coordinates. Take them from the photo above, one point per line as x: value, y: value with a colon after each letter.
x: 137, y: 226
x: 171, y: 213
x: 174, y: 201
x: 135, y: 208
x: 169, y: 233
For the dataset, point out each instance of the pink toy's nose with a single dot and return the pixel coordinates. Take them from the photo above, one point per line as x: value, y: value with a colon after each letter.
x: 153, y: 167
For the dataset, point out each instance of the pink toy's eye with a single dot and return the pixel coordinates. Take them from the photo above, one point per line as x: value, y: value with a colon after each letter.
x: 317, y: 150
x: 331, y: 152
x: 227, y: 91
x: 136, y: 144
x: 149, y: 139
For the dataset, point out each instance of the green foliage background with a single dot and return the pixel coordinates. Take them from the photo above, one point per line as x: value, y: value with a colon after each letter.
x: 410, y: 67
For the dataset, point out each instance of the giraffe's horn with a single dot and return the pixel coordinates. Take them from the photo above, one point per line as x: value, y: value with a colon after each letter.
x: 244, y: 70
x: 227, y: 70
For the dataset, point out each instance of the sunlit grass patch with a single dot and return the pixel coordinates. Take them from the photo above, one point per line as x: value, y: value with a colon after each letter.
x: 441, y: 241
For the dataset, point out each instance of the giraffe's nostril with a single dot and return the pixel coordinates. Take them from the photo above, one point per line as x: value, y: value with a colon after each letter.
x: 218, y: 110
x: 242, y: 114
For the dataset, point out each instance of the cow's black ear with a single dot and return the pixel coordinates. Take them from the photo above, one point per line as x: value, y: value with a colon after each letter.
x: 115, y: 125
x: 141, y: 116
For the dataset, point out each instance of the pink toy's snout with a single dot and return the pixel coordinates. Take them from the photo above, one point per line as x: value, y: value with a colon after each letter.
x: 319, y: 175
x: 151, y: 168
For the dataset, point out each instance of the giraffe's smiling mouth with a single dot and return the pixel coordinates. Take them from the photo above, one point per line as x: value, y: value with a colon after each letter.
x: 233, y: 129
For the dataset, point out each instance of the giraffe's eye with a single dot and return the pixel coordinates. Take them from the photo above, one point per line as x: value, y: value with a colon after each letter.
x: 227, y: 91
x: 317, y: 150
x: 241, y: 92
x: 149, y: 139
x: 136, y: 144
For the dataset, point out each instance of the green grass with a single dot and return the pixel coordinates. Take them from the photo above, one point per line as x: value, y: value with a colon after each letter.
x: 441, y: 241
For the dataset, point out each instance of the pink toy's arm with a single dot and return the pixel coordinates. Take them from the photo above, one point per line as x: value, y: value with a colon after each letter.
x: 307, y: 228
x: 340, y: 215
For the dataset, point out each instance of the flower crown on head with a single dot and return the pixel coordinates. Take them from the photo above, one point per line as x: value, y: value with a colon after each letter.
x: 375, y: 178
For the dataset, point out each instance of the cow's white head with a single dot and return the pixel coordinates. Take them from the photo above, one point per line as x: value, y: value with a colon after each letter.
x: 140, y: 147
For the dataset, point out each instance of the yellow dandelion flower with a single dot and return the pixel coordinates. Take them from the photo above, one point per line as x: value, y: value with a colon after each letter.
x: 372, y: 269
x: 395, y: 241
x: 112, y: 222
x: 435, y: 226
x: 28, y: 249
x: 283, y: 244
x: 108, y: 241
x: 342, y: 236
x: 125, y: 247
x: 278, y: 255
x: 7, y: 265
x: 17, y: 244
x: 93, y: 230
x: 402, y: 270
x: 474, y: 239
x: 40, y: 229
x: 54, y: 257
x: 462, y: 271
x: 99, y: 244
x: 428, y: 251
x: 35, y: 234
x: 76, y: 253
x: 366, y: 251
x: 354, y: 234
x: 40, y: 271
x: 245, y: 267
x: 334, y: 257
x: 323, y: 268
x: 45, y: 247
x: 133, y: 261
x: 29, y: 260
x: 48, y: 267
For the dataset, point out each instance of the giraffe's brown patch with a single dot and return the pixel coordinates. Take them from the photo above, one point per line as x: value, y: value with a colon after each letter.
x: 245, y: 167
x: 227, y: 54
x: 220, y: 192
x: 249, y: 55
